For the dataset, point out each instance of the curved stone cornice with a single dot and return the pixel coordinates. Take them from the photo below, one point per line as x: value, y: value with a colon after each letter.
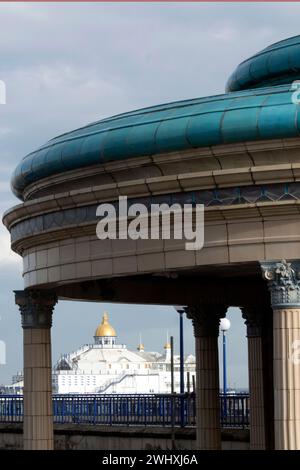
x: 219, y: 166
x: 29, y: 229
x: 88, y: 199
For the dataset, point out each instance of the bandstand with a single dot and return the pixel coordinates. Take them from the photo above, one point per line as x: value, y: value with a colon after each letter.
x: 236, y: 153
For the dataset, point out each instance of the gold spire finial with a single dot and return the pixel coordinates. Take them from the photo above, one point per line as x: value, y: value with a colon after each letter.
x: 141, y: 347
x: 167, y: 345
x: 105, y: 329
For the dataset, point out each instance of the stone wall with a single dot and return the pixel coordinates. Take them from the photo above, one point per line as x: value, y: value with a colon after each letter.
x: 85, y: 437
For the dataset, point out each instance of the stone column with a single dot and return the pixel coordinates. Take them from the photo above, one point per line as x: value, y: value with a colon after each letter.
x: 206, y: 330
x: 284, y: 284
x: 36, y: 309
x: 253, y: 322
x: 267, y: 356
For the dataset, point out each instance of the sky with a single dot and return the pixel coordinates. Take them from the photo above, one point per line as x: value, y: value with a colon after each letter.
x: 65, y: 65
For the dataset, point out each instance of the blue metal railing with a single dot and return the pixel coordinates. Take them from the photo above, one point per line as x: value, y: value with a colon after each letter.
x: 130, y: 409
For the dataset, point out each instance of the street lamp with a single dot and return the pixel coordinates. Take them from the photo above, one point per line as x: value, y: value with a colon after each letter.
x: 224, y: 326
x: 180, y: 310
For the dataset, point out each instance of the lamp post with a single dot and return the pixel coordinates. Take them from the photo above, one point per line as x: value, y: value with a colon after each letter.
x: 180, y: 310
x: 224, y: 326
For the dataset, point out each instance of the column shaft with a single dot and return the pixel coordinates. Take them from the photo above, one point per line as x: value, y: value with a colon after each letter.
x: 206, y: 319
x: 38, y: 419
x: 284, y: 285
x: 268, y: 385
x: 286, y: 338
x: 256, y: 380
x: 207, y: 393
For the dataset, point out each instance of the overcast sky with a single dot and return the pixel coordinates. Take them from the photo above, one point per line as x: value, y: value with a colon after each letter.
x: 65, y: 65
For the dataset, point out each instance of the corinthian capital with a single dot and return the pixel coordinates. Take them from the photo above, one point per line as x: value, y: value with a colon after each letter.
x: 283, y: 282
x: 206, y: 318
x: 253, y: 320
x: 36, y: 307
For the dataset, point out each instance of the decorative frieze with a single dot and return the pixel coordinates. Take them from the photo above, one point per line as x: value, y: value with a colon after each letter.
x: 86, y: 214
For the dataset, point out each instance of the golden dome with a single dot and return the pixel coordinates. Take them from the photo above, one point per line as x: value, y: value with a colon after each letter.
x: 141, y: 347
x: 105, y: 329
x: 167, y: 346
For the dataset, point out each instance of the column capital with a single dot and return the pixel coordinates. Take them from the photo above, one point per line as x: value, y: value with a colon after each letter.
x: 206, y: 318
x: 36, y: 307
x: 284, y: 283
x: 253, y: 320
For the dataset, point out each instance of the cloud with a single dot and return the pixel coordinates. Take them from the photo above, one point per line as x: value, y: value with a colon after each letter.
x: 7, y: 256
x: 68, y: 64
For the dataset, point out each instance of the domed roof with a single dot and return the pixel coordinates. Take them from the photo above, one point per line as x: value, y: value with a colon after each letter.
x: 243, y: 115
x: 167, y: 346
x: 275, y: 65
x: 105, y: 329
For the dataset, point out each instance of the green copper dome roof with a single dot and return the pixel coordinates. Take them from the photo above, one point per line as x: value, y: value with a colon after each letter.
x: 275, y: 65
x: 245, y: 115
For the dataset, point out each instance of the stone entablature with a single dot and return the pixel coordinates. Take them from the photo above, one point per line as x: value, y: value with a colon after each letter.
x: 210, y: 198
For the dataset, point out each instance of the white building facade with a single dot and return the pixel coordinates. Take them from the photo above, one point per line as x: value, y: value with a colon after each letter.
x: 110, y: 368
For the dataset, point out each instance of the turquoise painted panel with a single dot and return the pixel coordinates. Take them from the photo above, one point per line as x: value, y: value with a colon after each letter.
x: 240, y: 75
x: 204, y: 129
x: 258, y: 69
x: 277, y: 64
x: 244, y: 102
x: 91, y: 148
x: 53, y: 161
x: 297, y: 119
x: 113, y: 147
x: 141, y: 139
x: 39, y: 167
x: 70, y: 154
x: 279, y: 99
x: 276, y: 122
x: 26, y: 172
x: 171, y: 135
x: 213, y: 106
x: 294, y: 58
x: 240, y: 122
